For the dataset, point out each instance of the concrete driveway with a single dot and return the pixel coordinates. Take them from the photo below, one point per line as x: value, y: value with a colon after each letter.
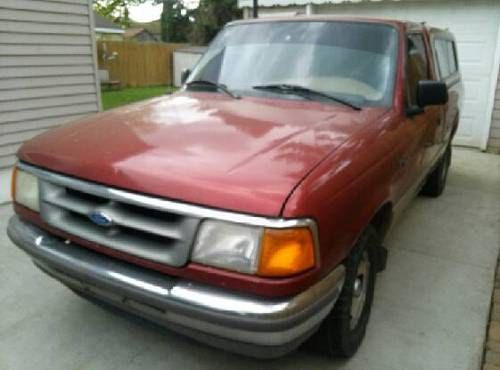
x: 430, y: 311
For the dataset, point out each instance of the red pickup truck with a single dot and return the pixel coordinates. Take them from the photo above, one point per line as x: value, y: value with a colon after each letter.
x: 248, y: 210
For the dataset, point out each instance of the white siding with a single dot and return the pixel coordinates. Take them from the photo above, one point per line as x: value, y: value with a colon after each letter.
x: 494, y: 142
x: 47, y: 68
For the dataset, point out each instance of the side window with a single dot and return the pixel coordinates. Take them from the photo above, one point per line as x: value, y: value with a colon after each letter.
x: 417, y: 67
x: 442, y: 58
x: 446, y: 58
x: 452, y: 57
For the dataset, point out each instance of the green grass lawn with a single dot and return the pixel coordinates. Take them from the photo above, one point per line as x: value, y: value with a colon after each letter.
x: 116, y: 98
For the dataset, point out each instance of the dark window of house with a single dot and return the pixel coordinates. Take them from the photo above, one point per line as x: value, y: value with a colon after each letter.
x: 446, y: 57
x: 417, y: 68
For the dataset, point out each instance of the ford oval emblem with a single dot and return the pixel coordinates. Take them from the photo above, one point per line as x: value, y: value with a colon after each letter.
x: 100, y: 218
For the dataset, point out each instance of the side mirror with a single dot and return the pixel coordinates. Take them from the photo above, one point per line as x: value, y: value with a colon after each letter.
x: 185, y: 75
x: 431, y: 93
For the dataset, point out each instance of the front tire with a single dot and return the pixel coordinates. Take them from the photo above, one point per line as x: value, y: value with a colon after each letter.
x: 342, y: 332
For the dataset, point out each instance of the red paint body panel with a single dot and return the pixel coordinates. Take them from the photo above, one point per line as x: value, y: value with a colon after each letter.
x: 202, y: 148
x: 271, y: 157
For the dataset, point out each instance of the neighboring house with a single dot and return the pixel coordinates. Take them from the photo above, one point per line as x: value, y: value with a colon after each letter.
x: 476, y: 25
x: 153, y: 28
x: 139, y: 35
x: 186, y: 58
x: 106, y: 30
x: 47, y: 71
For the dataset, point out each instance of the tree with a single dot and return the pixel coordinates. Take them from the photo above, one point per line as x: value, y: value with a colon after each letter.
x: 116, y: 10
x: 175, y: 21
x: 210, y: 18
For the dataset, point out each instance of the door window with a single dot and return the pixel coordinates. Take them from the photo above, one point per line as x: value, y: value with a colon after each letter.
x: 417, y: 67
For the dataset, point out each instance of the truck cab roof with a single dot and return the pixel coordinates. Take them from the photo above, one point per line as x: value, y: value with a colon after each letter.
x: 409, y: 25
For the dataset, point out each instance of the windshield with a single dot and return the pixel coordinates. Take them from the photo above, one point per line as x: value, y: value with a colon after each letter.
x: 350, y: 60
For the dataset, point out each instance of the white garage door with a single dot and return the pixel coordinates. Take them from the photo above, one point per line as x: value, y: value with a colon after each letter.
x: 476, y: 26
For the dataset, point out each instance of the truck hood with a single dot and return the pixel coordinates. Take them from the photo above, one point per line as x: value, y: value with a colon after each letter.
x: 204, y: 148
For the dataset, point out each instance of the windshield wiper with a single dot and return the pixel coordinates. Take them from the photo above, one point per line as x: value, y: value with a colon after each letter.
x: 304, y: 92
x: 218, y: 86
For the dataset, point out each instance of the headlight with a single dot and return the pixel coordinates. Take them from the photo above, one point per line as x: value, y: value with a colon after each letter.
x: 254, y: 250
x: 25, y: 189
x: 228, y: 245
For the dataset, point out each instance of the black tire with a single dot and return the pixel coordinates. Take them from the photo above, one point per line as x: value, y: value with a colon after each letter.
x: 341, y: 334
x: 436, y: 182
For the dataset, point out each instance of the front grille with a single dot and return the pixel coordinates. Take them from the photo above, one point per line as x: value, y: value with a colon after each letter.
x: 157, y: 235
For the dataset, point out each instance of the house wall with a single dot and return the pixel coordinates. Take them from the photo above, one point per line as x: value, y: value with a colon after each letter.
x: 494, y: 141
x: 47, y: 69
x: 182, y: 61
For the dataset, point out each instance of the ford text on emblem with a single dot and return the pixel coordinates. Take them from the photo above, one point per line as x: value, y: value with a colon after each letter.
x: 100, y: 218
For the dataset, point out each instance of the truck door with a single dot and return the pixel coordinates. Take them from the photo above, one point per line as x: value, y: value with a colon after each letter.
x: 416, y: 127
x: 434, y: 116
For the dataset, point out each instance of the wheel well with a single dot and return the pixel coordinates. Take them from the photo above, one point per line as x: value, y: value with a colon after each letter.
x: 382, y: 220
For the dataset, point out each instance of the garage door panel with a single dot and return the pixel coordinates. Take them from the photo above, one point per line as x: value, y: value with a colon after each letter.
x: 475, y: 21
x: 466, y: 28
x: 473, y: 71
x: 474, y: 92
x: 467, y: 124
x: 475, y: 53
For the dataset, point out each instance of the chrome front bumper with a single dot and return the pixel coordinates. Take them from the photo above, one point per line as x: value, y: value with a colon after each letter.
x: 255, y: 326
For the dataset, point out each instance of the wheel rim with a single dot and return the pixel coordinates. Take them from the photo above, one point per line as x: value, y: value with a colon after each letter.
x: 360, y: 289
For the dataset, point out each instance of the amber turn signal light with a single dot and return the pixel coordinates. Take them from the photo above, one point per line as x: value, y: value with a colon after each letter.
x: 286, y: 252
x: 13, y: 184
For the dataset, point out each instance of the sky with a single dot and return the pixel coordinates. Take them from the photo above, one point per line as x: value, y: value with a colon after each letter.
x: 148, y: 12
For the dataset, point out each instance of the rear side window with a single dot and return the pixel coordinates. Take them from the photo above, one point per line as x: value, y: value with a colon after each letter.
x: 446, y: 57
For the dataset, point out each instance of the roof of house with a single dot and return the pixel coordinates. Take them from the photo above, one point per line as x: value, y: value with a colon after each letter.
x: 152, y: 27
x: 271, y: 3
x: 132, y: 32
x: 103, y: 24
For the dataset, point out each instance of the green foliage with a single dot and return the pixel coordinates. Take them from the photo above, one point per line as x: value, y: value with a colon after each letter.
x: 116, y: 98
x: 210, y: 18
x: 178, y: 23
x: 175, y: 22
x: 116, y: 10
